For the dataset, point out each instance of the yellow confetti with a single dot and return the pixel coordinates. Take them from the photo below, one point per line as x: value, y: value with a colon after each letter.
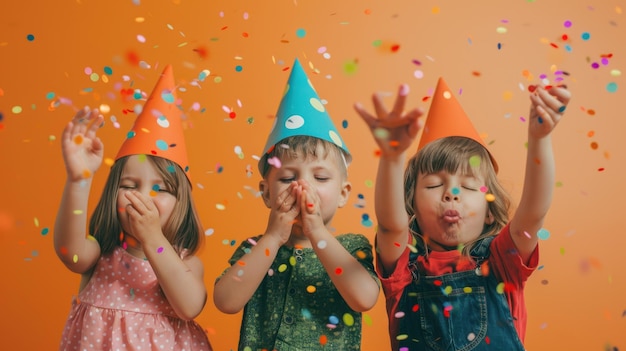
x: 282, y: 268
x: 75, y: 258
x: 500, y: 288
x: 311, y: 289
x: 467, y: 290
x: 348, y: 319
x: 77, y: 212
x: 490, y: 197
x: 36, y: 222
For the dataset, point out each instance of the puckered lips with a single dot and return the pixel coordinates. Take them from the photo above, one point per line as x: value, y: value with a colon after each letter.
x: 451, y: 216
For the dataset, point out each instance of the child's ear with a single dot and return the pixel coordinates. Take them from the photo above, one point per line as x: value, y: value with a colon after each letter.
x: 264, y: 188
x: 346, y: 187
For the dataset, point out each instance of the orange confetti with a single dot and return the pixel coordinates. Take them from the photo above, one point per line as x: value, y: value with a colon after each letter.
x: 591, y: 133
x: 78, y: 139
x: 86, y: 173
x: 323, y: 340
x: 241, y: 263
x: 594, y: 145
x: 267, y: 252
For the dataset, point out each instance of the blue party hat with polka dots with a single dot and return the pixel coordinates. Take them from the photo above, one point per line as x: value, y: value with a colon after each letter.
x: 301, y: 112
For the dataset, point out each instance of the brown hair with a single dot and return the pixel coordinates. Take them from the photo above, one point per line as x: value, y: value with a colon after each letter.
x: 452, y: 154
x: 183, y: 229
x: 302, y: 145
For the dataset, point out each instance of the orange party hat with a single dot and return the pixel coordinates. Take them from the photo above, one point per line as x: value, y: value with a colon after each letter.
x: 446, y: 118
x: 158, y: 129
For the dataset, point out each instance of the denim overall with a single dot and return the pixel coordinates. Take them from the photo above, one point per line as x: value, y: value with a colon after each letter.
x: 456, y: 312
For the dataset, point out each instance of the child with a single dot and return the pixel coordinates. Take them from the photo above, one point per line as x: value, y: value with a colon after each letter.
x: 141, y: 285
x: 452, y: 265
x: 301, y: 288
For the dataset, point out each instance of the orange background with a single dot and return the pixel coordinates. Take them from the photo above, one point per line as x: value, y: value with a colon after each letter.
x: 488, y: 51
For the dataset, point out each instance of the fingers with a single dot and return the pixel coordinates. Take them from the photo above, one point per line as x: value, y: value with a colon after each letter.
x: 138, y: 202
x: 308, y: 197
x: 287, y: 199
x: 379, y: 107
x: 398, y: 107
x: 553, y: 99
x: 365, y: 116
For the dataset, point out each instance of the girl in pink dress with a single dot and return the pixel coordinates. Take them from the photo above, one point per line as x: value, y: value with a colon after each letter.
x: 142, y: 284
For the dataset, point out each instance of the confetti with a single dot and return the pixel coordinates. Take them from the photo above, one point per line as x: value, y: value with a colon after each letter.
x: 311, y: 289
x: 322, y: 244
x: 159, y: 250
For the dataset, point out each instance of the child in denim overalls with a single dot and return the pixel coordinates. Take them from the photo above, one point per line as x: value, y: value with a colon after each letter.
x: 453, y: 266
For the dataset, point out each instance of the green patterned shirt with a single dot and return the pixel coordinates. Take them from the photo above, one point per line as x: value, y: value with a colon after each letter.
x: 297, y: 307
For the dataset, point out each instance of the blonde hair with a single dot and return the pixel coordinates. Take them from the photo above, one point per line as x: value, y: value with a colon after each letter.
x: 183, y: 229
x: 303, y: 145
x: 452, y: 155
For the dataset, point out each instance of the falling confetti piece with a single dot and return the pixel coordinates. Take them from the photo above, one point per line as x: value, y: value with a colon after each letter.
x: 160, y: 250
x: 543, y: 234
x: 490, y: 197
x: 611, y: 87
x: 75, y: 258
x: 322, y: 244
x: 311, y: 289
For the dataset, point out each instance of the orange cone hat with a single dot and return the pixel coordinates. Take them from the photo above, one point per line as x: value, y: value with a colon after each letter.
x: 158, y: 129
x: 446, y: 118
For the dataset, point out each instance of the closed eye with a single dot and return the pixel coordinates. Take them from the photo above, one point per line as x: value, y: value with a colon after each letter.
x: 287, y: 180
x: 433, y: 186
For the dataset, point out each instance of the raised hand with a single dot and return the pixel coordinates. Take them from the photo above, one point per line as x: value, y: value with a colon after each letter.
x: 82, y: 149
x: 143, y: 216
x: 546, y: 109
x: 394, y: 131
x: 283, y: 213
x: 310, y: 208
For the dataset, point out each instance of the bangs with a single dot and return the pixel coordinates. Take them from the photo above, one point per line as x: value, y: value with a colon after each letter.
x: 303, y: 146
x: 452, y: 155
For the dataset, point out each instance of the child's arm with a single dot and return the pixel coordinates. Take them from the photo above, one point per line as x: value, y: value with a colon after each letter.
x: 547, y: 107
x: 181, y: 279
x: 82, y: 153
x: 354, y: 283
x: 235, y: 288
x: 394, y: 133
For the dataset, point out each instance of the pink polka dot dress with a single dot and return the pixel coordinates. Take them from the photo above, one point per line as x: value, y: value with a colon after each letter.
x: 123, y: 308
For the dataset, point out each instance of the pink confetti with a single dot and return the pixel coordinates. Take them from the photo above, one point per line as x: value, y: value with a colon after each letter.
x: 160, y: 249
x: 274, y: 161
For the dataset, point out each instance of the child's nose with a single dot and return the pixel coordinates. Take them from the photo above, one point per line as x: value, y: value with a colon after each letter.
x: 452, y: 194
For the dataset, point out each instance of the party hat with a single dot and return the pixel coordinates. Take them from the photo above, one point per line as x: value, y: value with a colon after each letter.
x: 447, y: 118
x: 158, y: 128
x: 301, y: 112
